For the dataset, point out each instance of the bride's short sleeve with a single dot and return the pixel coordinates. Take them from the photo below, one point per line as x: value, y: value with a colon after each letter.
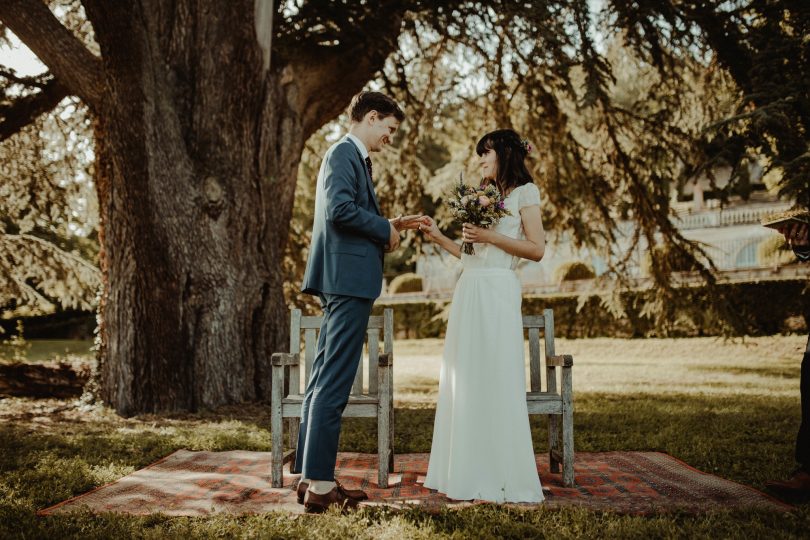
x: 529, y: 196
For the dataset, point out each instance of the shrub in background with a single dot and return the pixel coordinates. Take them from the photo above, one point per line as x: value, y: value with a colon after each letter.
x: 766, y: 307
x: 773, y: 251
x: 405, y: 283
x: 674, y: 261
x: 572, y: 271
x: 416, y: 320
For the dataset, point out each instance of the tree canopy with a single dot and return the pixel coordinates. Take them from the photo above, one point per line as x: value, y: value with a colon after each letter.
x: 196, y: 140
x: 621, y: 104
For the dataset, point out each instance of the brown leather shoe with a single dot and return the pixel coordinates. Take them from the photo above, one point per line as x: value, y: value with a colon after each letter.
x: 798, y: 484
x: 301, y: 490
x: 357, y: 494
x: 339, y: 496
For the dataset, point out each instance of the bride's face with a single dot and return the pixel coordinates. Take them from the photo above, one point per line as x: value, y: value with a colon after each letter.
x: 489, y: 164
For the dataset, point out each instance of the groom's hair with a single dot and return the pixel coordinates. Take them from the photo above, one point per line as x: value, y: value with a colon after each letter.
x: 364, y: 102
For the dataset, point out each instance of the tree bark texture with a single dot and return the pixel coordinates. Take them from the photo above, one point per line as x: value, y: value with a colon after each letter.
x: 198, y: 152
x: 197, y: 149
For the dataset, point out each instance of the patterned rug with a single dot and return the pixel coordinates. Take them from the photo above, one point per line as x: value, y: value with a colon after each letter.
x: 188, y: 483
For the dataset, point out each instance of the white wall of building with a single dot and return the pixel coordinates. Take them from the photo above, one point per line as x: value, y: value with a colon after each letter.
x: 730, y: 236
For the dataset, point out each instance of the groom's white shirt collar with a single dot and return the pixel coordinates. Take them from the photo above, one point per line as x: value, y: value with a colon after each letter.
x: 359, y: 144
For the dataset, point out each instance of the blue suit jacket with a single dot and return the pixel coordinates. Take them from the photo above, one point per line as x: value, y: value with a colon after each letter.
x: 348, y: 234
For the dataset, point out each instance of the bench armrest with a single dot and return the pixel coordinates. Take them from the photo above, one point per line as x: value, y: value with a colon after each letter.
x: 561, y: 360
x: 285, y: 359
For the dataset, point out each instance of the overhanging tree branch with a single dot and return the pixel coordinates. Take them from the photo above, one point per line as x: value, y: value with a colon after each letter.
x: 23, y: 111
x: 352, y: 70
x: 37, y: 81
x: 352, y: 63
x: 68, y: 59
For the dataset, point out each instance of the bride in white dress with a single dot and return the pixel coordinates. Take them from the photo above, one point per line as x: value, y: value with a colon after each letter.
x: 482, y: 446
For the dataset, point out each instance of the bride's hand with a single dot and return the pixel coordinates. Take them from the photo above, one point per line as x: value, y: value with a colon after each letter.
x: 472, y: 234
x: 429, y: 228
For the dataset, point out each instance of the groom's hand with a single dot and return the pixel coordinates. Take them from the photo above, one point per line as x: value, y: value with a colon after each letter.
x: 402, y: 223
x: 393, y: 239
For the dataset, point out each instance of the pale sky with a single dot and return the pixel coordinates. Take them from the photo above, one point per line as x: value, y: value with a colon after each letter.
x: 20, y: 58
x: 25, y: 63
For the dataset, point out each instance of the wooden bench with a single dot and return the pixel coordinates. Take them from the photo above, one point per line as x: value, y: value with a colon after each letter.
x: 558, y: 404
x: 375, y: 400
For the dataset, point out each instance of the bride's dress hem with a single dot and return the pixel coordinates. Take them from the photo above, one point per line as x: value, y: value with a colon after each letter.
x: 531, y: 498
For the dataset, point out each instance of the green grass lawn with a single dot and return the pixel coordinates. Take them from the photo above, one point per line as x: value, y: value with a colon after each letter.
x: 727, y: 408
x: 48, y: 350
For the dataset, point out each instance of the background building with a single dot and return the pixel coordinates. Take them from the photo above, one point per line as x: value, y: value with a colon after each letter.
x: 731, y: 234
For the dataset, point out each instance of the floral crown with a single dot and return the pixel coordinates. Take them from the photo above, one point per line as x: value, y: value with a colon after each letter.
x: 526, y: 145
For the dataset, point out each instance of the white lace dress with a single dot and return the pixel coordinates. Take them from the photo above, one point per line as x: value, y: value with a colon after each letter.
x: 482, y: 447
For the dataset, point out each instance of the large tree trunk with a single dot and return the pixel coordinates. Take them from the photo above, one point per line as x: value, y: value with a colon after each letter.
x: 198, y: 151
x: 198, y: 146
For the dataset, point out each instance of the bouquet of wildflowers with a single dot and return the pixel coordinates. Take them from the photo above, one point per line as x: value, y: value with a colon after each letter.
x: 482, y: 206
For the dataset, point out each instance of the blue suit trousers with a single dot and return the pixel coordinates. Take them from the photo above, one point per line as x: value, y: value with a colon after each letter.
x: 340, y: 347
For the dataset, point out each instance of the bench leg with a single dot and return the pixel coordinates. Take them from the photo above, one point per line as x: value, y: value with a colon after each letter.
x: 391, y: 432
x: 568, y: 448
x: 553, y: 442
x: 383, y: 427
x: 293, y: 424
x: 277, y: 430
x: 568, y: 428
x: 383, y: 445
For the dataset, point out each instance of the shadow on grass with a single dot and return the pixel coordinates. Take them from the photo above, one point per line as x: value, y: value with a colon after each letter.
x: 777, y: 372
x: 746, y: 439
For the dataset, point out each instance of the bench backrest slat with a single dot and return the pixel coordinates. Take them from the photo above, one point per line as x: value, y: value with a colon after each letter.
x: 310, y: 327
x: 295, y: 347
x: 373, y: 366
x: 310, y: 346
x: 535, y: 324
x: 548, y: 335
x: 534, y: 359
x: 309, y: 321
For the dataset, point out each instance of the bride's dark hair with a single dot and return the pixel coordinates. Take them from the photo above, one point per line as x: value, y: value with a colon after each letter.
x: 511, y: 151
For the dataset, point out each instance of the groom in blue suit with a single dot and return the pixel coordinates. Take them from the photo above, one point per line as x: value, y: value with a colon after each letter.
x: 344, y: 269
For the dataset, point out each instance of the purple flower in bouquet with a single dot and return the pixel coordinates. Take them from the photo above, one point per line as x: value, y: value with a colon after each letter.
x: 483, y: 207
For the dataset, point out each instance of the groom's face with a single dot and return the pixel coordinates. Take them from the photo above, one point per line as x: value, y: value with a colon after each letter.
x: 381, y: 130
